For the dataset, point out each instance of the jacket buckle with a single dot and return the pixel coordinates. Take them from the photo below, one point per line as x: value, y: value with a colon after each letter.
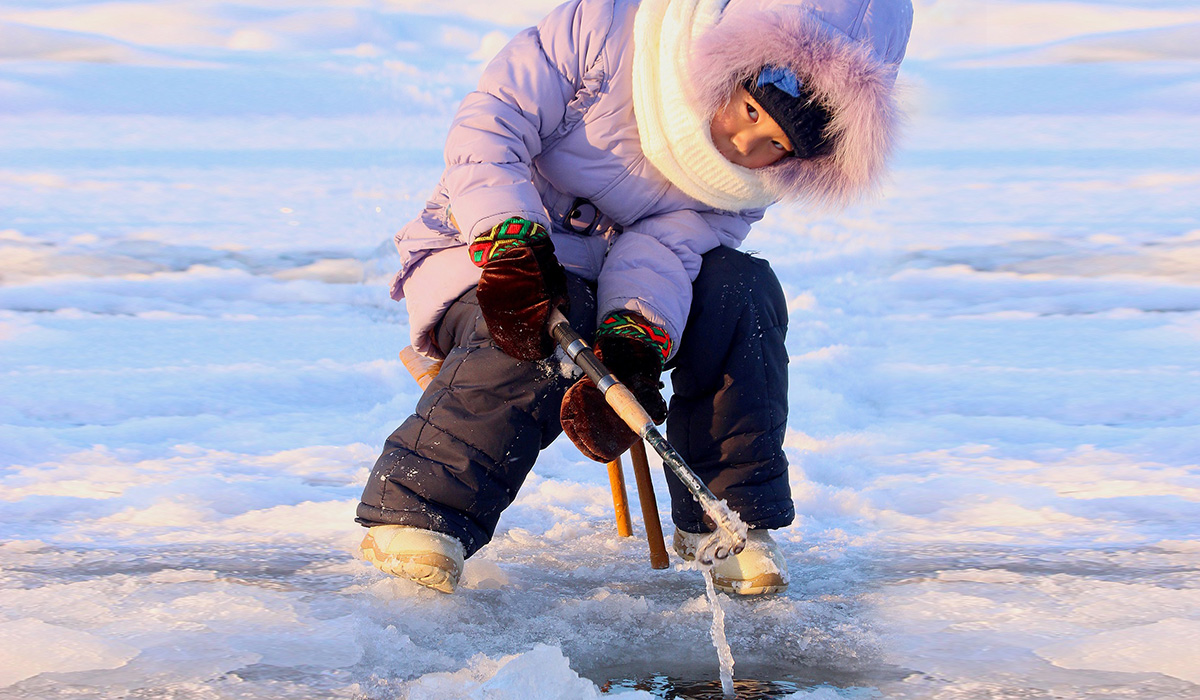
x: 582, y: 217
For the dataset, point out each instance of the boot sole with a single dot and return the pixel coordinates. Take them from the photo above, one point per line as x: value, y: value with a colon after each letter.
x: 425, y: 568
x: 759, y: 585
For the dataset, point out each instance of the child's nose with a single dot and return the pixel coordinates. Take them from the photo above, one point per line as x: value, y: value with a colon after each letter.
x: 744, y: 141
x: 747, y: 141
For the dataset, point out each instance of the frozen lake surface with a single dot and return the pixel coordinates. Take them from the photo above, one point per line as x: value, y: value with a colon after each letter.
x: 994, y: 376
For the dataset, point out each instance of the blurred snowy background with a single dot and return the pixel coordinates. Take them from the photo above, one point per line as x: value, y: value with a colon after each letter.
x: 994, y: 377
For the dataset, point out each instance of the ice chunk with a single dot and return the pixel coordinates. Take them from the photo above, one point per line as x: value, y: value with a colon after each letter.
x: 29, y: 646
x: 827, y: 692
x: 542, y: 673
x: 1167, y: 647
x: 318, y: 643
x: 482, y: 574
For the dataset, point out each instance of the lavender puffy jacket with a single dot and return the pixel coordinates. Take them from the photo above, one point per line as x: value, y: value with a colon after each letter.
x: 552, y: 124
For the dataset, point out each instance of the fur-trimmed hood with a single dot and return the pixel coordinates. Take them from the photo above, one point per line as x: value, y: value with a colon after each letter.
x: 553, y: 122
x: 846, y: 51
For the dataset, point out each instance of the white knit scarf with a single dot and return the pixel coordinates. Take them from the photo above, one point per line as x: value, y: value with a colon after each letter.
x: 675, y: 136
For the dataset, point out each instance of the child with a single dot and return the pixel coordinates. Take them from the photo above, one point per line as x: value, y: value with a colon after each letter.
x: 609, y: 163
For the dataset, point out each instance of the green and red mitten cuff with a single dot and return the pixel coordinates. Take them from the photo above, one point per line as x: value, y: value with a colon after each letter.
x: 505, y: 236
x: 633, y: 326
x: 633, y: 349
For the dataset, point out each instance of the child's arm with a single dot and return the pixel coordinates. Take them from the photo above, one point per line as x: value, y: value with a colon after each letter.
x: 644, y: 294
x: 521, y: 100
x: 651, y: 266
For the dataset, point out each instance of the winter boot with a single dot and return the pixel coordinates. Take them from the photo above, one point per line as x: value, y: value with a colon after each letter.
x: 429, y: 558
x: 759, y: 569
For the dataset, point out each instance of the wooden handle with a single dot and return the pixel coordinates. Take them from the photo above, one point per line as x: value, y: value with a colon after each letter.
x: 659, y: 559
x: 420, y: 367
x: 630, y: 410
x: 627, y: 407
x: 616, y: 480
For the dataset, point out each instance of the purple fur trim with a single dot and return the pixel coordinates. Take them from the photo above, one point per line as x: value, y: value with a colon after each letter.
x: 845, y: 74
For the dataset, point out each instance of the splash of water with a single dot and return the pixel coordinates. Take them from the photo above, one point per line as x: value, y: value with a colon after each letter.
x: 728, y: 537
x: 724, y: 653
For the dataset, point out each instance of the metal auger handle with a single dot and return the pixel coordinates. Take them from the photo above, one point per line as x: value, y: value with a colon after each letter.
x: 730, y: 536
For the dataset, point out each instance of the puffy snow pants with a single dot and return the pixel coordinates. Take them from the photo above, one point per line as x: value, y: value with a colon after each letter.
x: 459, y: 460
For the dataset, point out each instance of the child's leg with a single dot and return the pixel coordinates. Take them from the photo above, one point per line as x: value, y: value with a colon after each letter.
x: 729, y: 411
x: 459, y: 460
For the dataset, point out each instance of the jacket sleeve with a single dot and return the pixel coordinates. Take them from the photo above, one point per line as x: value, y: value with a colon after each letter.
x: 651, y: 266
x: 521, y: 99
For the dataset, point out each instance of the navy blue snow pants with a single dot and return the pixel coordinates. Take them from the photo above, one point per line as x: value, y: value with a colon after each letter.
x: 459, y: 460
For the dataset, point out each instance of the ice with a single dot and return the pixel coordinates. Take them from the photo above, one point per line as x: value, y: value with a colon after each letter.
x: 993, y: 378
x: 29, y: 646
x: 1167, y: 647
x: 22, y: 42
x: 831, y: 694
x: 539, y: 674
x: 955, y: 29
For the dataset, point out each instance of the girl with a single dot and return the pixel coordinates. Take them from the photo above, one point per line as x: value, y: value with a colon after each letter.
x: 611, y: 160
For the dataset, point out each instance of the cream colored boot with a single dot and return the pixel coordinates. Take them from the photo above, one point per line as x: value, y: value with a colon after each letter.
x: 429, y: 558
x: 759, y: 569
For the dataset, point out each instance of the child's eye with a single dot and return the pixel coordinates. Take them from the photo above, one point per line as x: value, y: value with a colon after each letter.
x: 778, y: 146
x: 751, y: 112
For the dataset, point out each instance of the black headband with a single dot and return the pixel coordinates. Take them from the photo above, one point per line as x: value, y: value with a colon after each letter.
x: 802, y: 118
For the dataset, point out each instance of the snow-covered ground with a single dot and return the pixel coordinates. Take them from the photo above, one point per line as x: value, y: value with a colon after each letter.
x: 994, y: 377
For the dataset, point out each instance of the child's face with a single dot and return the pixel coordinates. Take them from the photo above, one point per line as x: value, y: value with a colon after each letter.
x: 746, y: 135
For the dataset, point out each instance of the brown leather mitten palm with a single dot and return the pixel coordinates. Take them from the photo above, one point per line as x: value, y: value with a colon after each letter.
x: 634, y: 350
x: 521, y: 282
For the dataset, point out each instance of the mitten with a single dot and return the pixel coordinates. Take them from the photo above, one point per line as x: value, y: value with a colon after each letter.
x: 634, y: 350
x: 521, y: 282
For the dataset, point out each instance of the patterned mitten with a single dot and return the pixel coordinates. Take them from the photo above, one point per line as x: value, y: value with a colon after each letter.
x: 521, y: 282
x: 634, y: 350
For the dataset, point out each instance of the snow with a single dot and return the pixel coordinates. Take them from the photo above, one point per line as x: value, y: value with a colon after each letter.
x: 993, y: 376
